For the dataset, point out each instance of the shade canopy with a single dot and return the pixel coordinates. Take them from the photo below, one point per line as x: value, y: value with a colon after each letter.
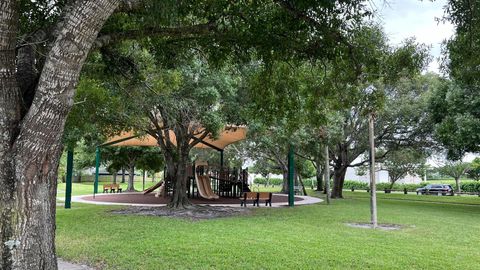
x: 229, y: 135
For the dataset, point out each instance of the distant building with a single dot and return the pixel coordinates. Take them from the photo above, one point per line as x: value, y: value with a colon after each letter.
x: 380, y: 177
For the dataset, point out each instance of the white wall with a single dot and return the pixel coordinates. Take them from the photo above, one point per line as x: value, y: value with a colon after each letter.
x: 380, y: 176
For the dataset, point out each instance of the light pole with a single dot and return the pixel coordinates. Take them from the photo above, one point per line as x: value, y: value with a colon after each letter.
x: 371, y: 103
x: 373, y: 188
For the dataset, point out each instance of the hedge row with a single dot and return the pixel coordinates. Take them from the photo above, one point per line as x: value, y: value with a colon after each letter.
x: 349, y: 184
x: 470, y: 186
x: 270, y: 181
x: 382, y: 186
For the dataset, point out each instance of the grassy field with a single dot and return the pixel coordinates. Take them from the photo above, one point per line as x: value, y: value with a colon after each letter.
x: 85, y: 188
x: 438, y: 233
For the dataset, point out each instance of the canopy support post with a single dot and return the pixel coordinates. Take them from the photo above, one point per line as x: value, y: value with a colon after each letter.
x: 291, y: 174
x: 221, y: 158
x: 68, y: 179
x: 97, y: 167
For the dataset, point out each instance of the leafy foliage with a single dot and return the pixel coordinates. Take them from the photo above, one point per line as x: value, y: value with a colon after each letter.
x: 456, y: 103
x: 474, y: 169
x: 403, y: 162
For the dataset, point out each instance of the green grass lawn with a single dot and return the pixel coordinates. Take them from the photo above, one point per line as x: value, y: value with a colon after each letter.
x: 85, y: 188
x: 439, y: 233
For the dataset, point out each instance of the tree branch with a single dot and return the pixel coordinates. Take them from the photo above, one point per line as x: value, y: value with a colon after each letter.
x: 181, y: 31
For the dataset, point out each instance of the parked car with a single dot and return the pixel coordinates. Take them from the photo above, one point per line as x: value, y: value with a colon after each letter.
x: 436, y: 189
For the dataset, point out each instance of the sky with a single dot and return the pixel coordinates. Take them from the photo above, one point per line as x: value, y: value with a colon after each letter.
x: 403, y: 19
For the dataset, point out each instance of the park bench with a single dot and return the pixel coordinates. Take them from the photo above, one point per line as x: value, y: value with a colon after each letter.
x: 112, y: 188
x: 266, y: 197
x: 256, y: 197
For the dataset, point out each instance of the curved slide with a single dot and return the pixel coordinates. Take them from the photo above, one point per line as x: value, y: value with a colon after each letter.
x: 203, y: 184
x: 208, y: 187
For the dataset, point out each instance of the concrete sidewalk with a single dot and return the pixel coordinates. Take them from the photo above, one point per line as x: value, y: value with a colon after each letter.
x: 63, y: 265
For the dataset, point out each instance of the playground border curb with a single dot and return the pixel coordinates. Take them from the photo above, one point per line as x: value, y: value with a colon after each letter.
x: 306, y: 200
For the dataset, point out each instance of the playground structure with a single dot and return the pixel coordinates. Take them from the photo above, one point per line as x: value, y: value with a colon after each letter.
x: 216, y: 181
x: 209, y: 182
x: 212, y: 182
x: 204, y: 181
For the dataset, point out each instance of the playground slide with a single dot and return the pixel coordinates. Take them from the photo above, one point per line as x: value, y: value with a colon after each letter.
x: 203, y: 183
x: 161, y: 191
x: 208, y: 187
x: 201, y: 187
x: 152, y: 188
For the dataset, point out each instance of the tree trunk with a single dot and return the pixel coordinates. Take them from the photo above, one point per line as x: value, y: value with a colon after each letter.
x: 123, y: 175
x: 30, y: 151
x: 338, y: 180
x: 285, y: 182
x: 392, y: 182
x: 131, y: 178
x: 115, y: 177
x: 339, y: 170
x: 457, y: 183
x: 176, y: 160
x: 177, y: 174
x: 319, y: 176
x: 303, y: 186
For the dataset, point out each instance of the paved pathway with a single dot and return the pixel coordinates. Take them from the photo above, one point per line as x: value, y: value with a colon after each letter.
x: 63, y: 265
x: 86, y: 199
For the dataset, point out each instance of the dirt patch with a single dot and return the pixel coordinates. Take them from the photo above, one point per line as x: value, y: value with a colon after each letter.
x: 196, y: 212
x: 385, y: 227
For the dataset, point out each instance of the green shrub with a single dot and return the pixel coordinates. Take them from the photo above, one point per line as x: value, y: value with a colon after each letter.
x: 470, y: 187
x: 271, y: 181
x: 348, y: 184
x: 383, y: 186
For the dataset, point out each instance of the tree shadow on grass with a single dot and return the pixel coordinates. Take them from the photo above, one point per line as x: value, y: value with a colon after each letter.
x: 193, y: 213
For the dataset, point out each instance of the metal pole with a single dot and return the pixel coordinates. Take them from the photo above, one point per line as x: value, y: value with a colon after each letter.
x: 143, y: 183
x: 291, y: 174
x: 68, y: 180
x: 97, y: 167
x: 327, y: 174
x: 373, y: 188
x: 221, y: 159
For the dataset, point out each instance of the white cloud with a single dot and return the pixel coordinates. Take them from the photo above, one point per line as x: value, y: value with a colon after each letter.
x: 413, y: 18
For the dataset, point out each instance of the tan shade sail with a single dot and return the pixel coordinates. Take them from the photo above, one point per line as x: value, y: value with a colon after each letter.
x: 228, y: 136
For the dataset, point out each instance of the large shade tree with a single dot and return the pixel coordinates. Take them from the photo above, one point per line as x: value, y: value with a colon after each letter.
x: 43, y: 46
x: 455, y: 104
x: 180, y: 105
x: 401, y: 122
